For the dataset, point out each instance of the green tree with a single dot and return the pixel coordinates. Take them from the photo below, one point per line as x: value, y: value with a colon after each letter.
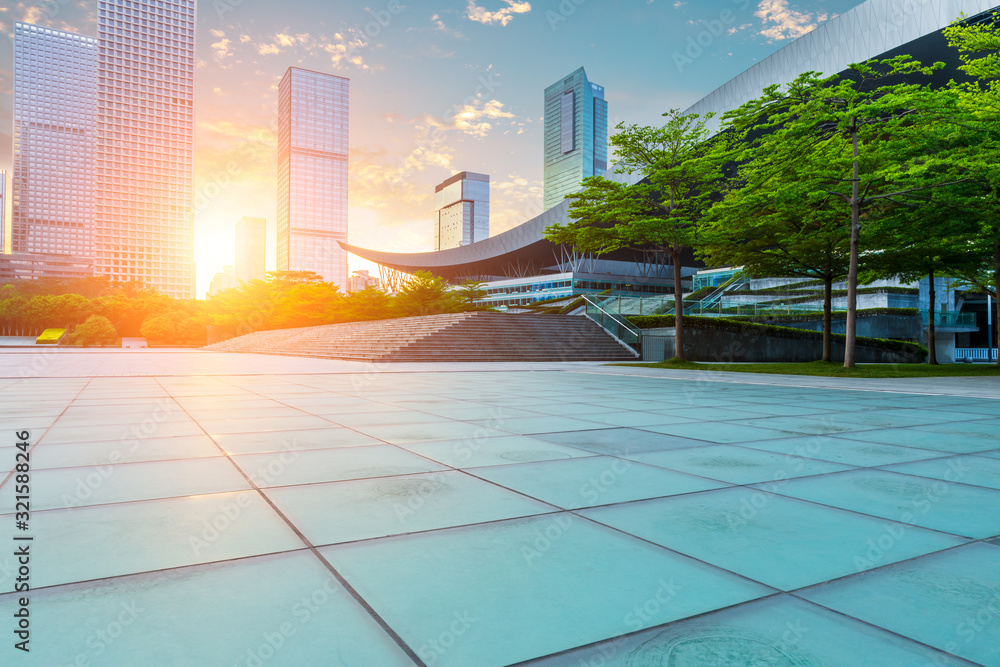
x: 860, y: 140
x: 367, y: 304
x: 427, y: 294
x: 979, y: 44
x: 679, y: 171
x: 471, y: 292
x: 96, y: 330
x: 782, y: 231
x: 308, y: 304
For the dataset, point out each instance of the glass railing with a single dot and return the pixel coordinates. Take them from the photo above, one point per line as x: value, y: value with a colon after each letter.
x: 615, y: 324
x: 951, y: 320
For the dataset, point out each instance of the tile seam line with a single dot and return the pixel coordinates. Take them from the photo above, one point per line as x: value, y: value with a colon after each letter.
x: 393, y: 635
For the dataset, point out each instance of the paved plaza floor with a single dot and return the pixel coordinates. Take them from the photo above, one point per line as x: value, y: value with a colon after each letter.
x: 195, y: 508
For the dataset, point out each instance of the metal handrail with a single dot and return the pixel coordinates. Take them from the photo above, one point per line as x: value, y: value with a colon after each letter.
x: 634, y: 332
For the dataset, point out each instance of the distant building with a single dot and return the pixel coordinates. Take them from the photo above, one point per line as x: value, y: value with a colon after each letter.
x: 312, y: 173
x: 55, y: 133
x: 251, y: 249
x: 576, y: 135
x: 223, y: 281
x: 360, y: 281
x: 3, y: 210
x: 462, y: 210
x: 33, y: 265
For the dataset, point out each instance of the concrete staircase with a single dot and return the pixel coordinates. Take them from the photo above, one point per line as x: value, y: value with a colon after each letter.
x: 475, y: 336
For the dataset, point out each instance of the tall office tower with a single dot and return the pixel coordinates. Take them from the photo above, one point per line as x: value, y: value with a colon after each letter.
x: 251, y: 235
x: 462, y: 210
x: 55, y: 104
x: 145, y: 143
x: 576, y: 135
x: 312, y: 173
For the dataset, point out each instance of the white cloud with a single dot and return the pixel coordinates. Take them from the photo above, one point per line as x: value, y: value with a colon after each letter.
x: 787, y: 22
x: 502, y: 16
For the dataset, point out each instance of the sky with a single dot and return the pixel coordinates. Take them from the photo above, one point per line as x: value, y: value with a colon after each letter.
x: 436, y: 88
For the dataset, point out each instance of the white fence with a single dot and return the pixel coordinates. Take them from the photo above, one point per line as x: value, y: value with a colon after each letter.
x: 975, y: 354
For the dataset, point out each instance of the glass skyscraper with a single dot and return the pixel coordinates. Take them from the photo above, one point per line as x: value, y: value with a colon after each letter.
x: 145, y: 143
x: 462, y: 210
x: 55, y: 128
x: 313, y: 121
x: 576, y: 135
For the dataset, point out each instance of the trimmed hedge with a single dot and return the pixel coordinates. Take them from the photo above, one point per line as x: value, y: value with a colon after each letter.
x: 733, y: 326
x: 50, y: 337
x: 836, y: 315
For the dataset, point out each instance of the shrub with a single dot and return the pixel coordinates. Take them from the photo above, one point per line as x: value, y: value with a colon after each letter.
x: 96, y: 330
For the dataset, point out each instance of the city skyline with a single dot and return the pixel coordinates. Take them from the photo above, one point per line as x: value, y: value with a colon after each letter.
x: 456, y: 85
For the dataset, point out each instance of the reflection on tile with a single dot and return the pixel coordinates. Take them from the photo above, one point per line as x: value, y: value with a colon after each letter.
x: 331, y: 465
x: 949, y: 600
x: 499, y: 450
x: 363, y: 509
x: 950, y: 507
x: 777, y: 631
x: 782, y: 542
x: 109, y: 540
x: 737, y: 465
x: 596, y: 480
x: 288, y: 600
x: 522, y: 579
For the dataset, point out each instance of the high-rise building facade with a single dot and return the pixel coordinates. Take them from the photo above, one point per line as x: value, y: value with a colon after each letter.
x: 461, y: 210
x: 145, y: 143
x: 313, y: 120
x: 576, y: 135
x: 3, y: 210
x: 55, y: 103
x: 251, y: 244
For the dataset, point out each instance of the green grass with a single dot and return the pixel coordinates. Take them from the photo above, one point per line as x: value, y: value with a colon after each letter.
x: 836, y: 369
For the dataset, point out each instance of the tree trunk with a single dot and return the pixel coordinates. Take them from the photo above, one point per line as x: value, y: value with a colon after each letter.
x: 678, y: 306
x: 931, y: 308
x: 996, y: 288
x: 852, y: 275
x: 828, y: 318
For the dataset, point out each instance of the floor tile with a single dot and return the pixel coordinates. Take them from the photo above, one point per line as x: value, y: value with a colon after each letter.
x: 512, y: 591
x: 289, y: 599
x: 779, y: 541
x: 407, y: 433
x: 720, y: 432
x: 620, y: 441
x: 126, y: 482
x: 949, y: 600
x: 841, y: 450
x: 597, y: 480
x: 331, y: 465
x: 364, y: 509
x: 781, y: 630
x: 976, y: 470
x: 543, y: 424
x: 109, y: 540
x: 278, y: 441
x: 956, y: 443
x: 737, y: 465
x: 955, y: 508
x: 256, y: 425
x: 498, y: 450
